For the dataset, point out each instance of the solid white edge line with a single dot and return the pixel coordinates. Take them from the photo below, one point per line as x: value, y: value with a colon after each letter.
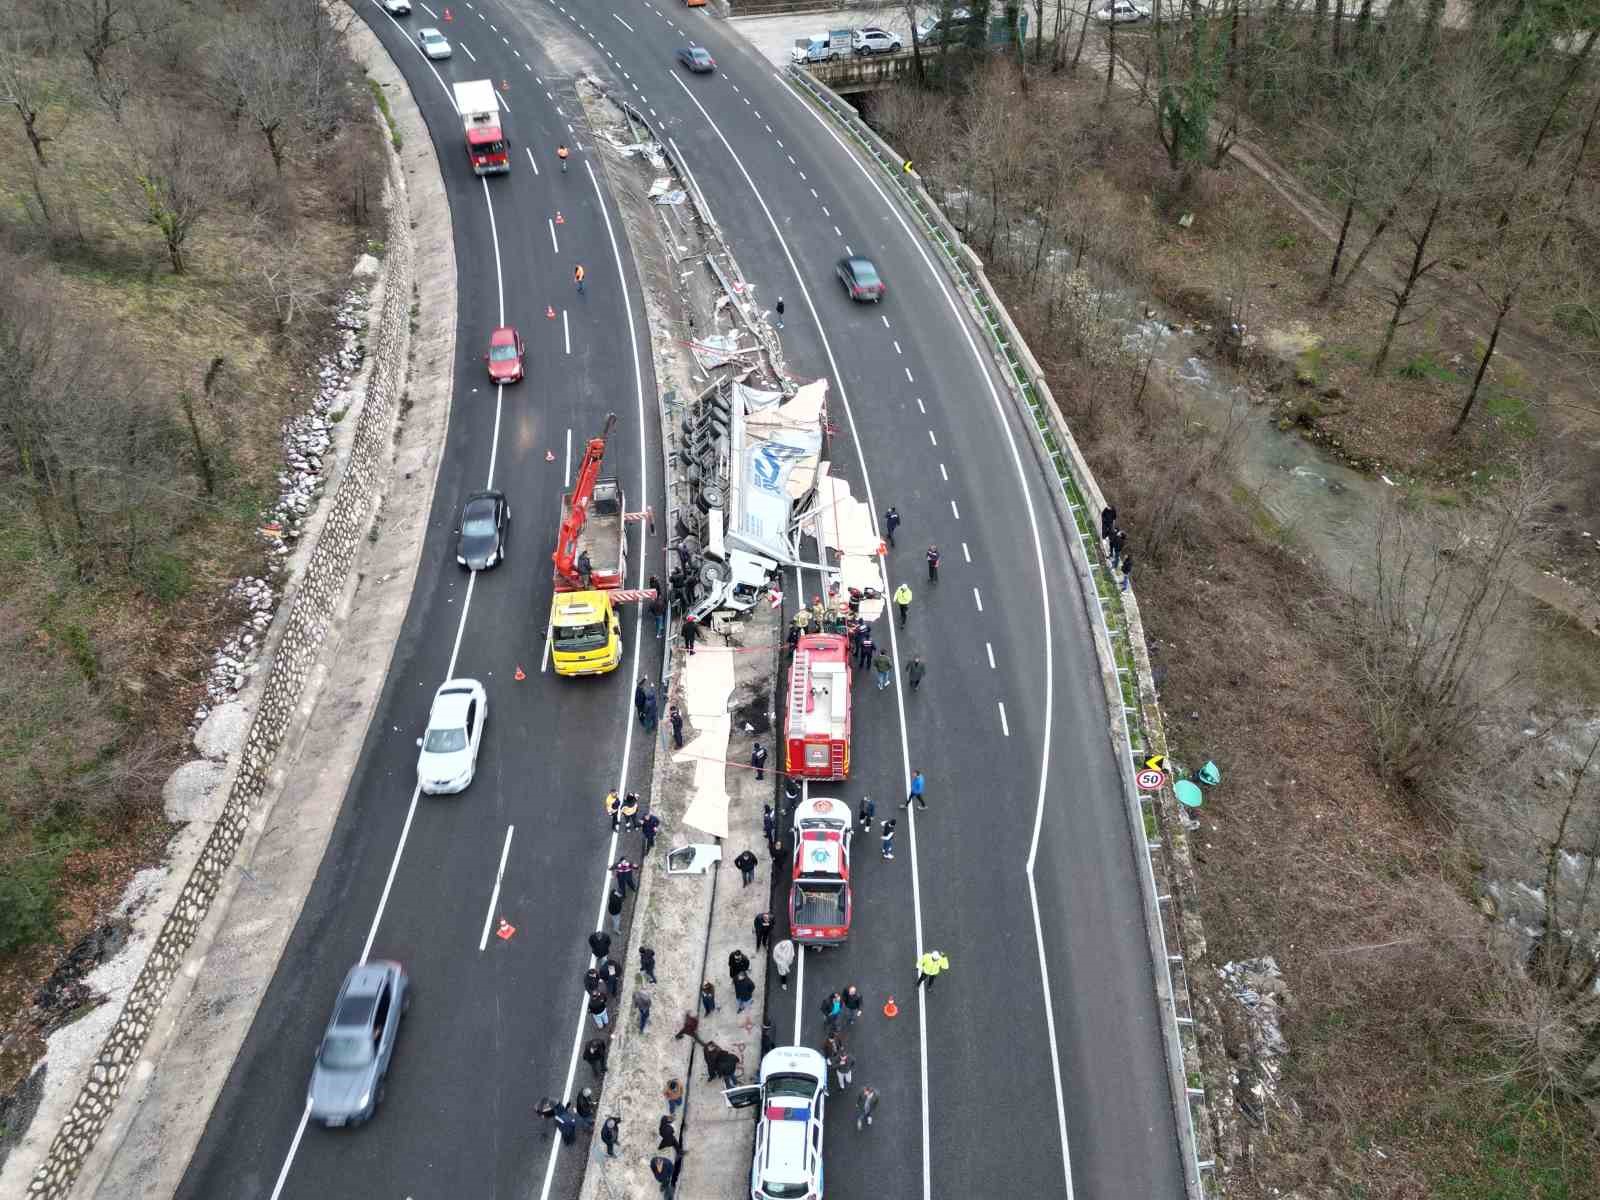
x: 959, y: 312
x: 566, y: 469
x: 638, y: 649
x: 300, y: 1132
x: 554, y: 244
x: 494, y: 896
x: 872, y: 507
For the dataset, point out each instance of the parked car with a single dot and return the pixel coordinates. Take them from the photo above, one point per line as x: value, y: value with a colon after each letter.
x: 397, y: 8
x: 931, y: 31
x: 792, y: 1094
x: 505, y: 355
x: 449, y: 757
x: 861, y: 279
x: 353, y: 1060
x: 1122, y: 11
x: 481, y: 536
x: 433, y: 43
x: 874, y: 41
x: 698, y: 59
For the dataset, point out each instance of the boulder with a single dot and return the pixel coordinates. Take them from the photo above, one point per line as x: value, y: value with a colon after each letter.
x: 222, y: 732
x: 366, y: 267
x: 194, y: 791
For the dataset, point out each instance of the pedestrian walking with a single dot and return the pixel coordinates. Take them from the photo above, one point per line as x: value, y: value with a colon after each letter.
x: 658, y: 604
x: 744, y: 991
x: 597, y: 1009
x: 791, y: 795
x: 708, y: 997
x: 593, y: 981
x: 545, y: 1109
x: 865, y: 649
x: 675, y: 715
x: 844, y: 1068
x: 763, y: 924
x: 600, y: 944
x: 614, y: 908
x: 672, y: 1094
x: 1108, y: 522
x: 650, y: 826
x: 832, y: 1047
x: 887, y: 840
x: 661, y: 1172
x: 930, y: 966
x: 641, y: 1003
x: 891, y: 522
x: 775, y: 849
x: 725, y: 1066
x: 866, y: 1105
x: 933, y: 563
x: 865, y: 811
x: 643, y: 698
x: 832, y: 1009
x: 884, y: 666
x: 669, y: 1138
x: 902, y: 601
x: 649, y: 714
x: 611, y: 972
x: 1127, y: 571
x: 917, y: 787
x: 782, y: 960
x: 746, y: 862
x: 586, y: 1106
x: 778, y: 308
x: 647, y: 962
x: 691, y: 630
x: 758, y: 760
x: 769, y: 821
x: 613, y: 808
x: 1115, y: 543
x: 626, y: 873
x: 737, y: 964
x: 852, y: 1003
x: 638, y: 693
x: 577, y: 277
x: 566, y: 1123
x: 594, y: 1053
x: 915, y: 670
x: 630, y: 811
x: 610, y: 1134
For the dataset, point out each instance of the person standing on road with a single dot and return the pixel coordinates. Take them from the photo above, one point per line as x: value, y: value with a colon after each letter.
x: 661, y: 1172
x: 611, y: 972
x: 891, y: 522
x: 915, y: 670
x: 866, y: 1105
x: 832, y: 1047
x: 647, y: 962
x: 586, y: 1107
x: 1115, y: 543
x: 865, y: 649
x: 669, y: 1138
x: 769, y: 821
x: 708, y: 997
x: 844, y: 1067
x: 746, y: 862
x: 852, y: 1003
x: 630, y: 811
x: 614, y: 908
x: 650, y: 826
x: 916, y: 793
x: 832, y: 1009
x: 775, y: 849
x: 1127, y: 571
x: 561, y: 153
x: 884, y: 666
x: 782, y: 960
x: 675, y: 715
x: 865, y: 811
x: 650, y: 714
x: 902, y: 601
x: 691, y: 630
x: 737, y: 964
x: 600, y: 944
x: 593, y: 981
x: 763, y: 925
x: 566, y: 1123
x: 641, y: 1003
x: 610, y: 1132
x: 626, y: 873
x: 887, y: 840
x: 744, y: 991
x: 613, y: 808
x: 577, y: 277
x: 673, y: 1095
x: 758, y: 760
x: 1108, y: 521
x: 594, y: 1053
x: 597, y: 1009
x: 933, y: 563
x: 778, y: 309
x: 930, y: 966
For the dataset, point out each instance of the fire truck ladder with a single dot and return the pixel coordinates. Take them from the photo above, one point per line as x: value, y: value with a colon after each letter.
x: 798, y: 695
x: 566, y: 551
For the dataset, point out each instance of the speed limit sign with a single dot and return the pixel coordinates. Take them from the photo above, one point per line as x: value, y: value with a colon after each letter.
x: 1151, y: 781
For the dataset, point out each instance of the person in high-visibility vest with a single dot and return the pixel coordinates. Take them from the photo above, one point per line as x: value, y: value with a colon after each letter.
x: 902, y: 599
x: 930, y: 965
x: 577, y: 276
x: 561, y: 153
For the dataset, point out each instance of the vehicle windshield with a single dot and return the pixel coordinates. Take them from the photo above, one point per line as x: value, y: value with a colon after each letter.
x: 445, y: 741
x: 864, y: 272
x: 700, y: 56
x: 821, y: 904
x: 783, y: 1191
x: 792, y: 1087
x: 345, y: 1050
x: 502, y: 353
x: 573, y: 638
x: 479, y: 523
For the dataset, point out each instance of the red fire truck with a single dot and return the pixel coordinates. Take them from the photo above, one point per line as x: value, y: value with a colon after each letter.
x: 819, y: 894
x: 818, y: 741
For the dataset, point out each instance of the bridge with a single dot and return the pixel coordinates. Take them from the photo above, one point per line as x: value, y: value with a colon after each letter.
x: 863, y: 72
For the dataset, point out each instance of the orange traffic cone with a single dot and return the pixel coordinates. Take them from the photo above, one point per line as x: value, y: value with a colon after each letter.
x: 560, y: 220
x: 883, y: 550
x: 550, y: 311
x: 520, y: 675
x: 891, y: 1009
x: 448, y: 15
x: 505, y: 931
x: 549, y: 456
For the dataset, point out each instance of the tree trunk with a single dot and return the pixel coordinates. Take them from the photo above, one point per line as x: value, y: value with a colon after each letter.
x: 1083, y: 32
x: 1403, y: 297
x: 202, y: 456
x: 1483, y: 364
x: 1319, y: 19
x: 1111, y: 61
x: 1338, y: 31
x: 1338, y: 251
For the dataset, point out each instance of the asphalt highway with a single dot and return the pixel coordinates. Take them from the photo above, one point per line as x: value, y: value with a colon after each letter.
x: 1034, y: 1067
x: 489, y: 1031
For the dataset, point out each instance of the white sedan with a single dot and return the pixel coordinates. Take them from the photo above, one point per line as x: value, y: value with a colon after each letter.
x: 449, y: 757
x: 1122, y: 11
x: 397, y: 8
x: 433, y: 43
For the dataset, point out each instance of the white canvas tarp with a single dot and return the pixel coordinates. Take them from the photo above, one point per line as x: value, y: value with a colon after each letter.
x: 775, y: 455
x: 707, y: 684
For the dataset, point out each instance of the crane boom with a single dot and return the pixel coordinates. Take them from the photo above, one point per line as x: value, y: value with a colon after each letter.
x: 566, y: 551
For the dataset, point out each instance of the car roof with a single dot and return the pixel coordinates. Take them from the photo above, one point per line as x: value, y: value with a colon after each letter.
x: 365, y: 979
x: 430, y: 32
x: 451, y: 700
x: 503, y: 335
x: 476, y: 496
x: 787, y: 1138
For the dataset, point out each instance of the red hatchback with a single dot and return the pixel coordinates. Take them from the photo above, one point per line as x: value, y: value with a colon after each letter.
x: 505, y: 355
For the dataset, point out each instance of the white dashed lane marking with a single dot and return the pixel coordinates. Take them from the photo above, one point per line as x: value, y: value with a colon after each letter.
x: 921, y: 408
x: 945, y: 475
x: 909, y: 377
x: 931, y: 438
x: 990, y: 649
x: 978, y: 599
x: 965, y: 553
x: 955, y: 510
x: 1005, y: 728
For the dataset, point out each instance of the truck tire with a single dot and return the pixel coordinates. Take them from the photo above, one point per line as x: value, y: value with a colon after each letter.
x: 711, y: 496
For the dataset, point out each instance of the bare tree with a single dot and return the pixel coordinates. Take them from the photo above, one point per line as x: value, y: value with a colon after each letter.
x: 172, y: 177
x: 97, y: 27
x: 22, y: 86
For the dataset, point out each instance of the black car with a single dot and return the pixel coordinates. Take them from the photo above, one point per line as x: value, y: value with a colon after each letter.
x: 481, y: 536
x: 697, y: 58
x: 861, y: 279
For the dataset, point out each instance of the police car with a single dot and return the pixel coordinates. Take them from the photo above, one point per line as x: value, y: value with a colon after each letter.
x: 788, y: 1158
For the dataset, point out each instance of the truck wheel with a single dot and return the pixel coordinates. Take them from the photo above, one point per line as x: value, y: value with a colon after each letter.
x: 711, y: 496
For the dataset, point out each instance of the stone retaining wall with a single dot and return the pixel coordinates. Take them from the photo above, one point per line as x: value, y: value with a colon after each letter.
x: 311, y: 609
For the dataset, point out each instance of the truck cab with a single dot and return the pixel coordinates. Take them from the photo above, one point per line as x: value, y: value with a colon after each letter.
x: 585, y: 633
